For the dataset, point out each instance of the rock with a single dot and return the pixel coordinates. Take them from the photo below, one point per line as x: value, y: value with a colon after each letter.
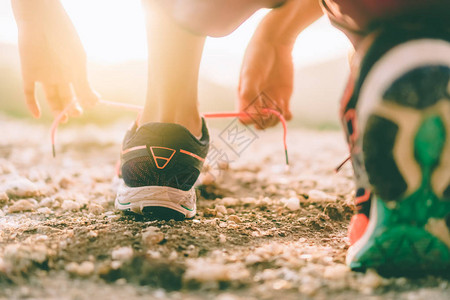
x: 208, y: 179
x: 72, y: 267
x: 221, y: 209
x: 6, y: 167
x: 92, y: 234
x: 96, y: 209
x: 122, y: 254
x: 21, y: 257
x: 44, y: 210
x: 227, y: 296
x: 65, y: 183
x: 154, y: 254
x: 152, y: 236
x: 173, y: 255
x: 21, y: 206
x: 222, y: 238
x: 293, y: 204
x: 69, y: 205
x: 319, y: 196
x: 271, y: 189
x: 84, y: 269
x: 3, y: 198
x: 234, y: 219
x: 115, y: 264
x: 229, y: 201
x: 21, y: 187
x: 47, y: 202
x: 310, y: 286
x: 252, y: 259
x: 370, y: 281
x: 204, y: 270
x: 209, y: 212
x: 231, y: 211
x: 336, y: 272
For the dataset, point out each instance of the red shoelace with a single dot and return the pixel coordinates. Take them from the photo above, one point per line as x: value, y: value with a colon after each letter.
x: 138, y: 108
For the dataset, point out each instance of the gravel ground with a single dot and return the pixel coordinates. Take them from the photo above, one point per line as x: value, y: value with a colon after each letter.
x: 262, y: 231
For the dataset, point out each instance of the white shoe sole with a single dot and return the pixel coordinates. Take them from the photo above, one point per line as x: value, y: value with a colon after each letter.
x: 136, y: 199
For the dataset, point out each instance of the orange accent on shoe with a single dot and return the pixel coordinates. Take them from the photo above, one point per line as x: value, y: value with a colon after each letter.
x: 358, y: 225
x: 133, y: 149
x: 363, y: 198
x: 350, y: 115
x: 192, y: 154
x: 348, y: 93
x: 167, y: 160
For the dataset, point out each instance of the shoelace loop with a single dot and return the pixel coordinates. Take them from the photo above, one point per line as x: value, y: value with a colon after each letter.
x: 138, y: 108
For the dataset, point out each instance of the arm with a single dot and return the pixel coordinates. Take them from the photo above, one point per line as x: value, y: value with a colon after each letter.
x: 268, y: 66
x: 51, y: 53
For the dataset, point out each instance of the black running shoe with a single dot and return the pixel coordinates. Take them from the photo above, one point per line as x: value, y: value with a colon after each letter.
x: 160, y: 162
x: 398, y: 127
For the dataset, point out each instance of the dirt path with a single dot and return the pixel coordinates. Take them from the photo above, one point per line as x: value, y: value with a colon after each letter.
x: 261, y: 231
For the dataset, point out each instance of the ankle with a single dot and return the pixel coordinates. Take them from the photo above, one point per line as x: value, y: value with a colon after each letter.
x: 192, y: 122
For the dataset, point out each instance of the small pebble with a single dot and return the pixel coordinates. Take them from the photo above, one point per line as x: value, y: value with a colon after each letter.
x: 46, y: 202
x: 21, y: 206
x: 69, y: 205
x: 221, y: 209
x: 86, y: 268
x: 222, y: 238
x: 44, y: 210
x: 65, y: 183
x: 122, y: 254
x: 96, y: 209
x: 152, y: 236
x: 209, y: 212
x: 293, y: 204
x: 208, y: 179
x: 319, y: 196
x: 21, y: 187
x: 92, y: 234
x: 3, y: 198
x: 234, y: 219
x: 229, y: 201
x: 252, y: 259
x: 336, y: 272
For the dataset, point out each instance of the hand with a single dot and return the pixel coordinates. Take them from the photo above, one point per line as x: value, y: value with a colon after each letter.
x: 51, y: 53
x: 266, y: 81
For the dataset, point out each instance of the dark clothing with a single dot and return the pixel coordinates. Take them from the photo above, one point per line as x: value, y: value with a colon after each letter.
x: 358, y: 18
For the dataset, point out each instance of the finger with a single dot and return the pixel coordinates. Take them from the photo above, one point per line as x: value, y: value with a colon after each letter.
x: 76, y: 110
x: 66, y: 98
x: 287, y: 114
x: 30, y: 98
x: 53, y: 98
x: 244, y: 103
x: 251, y: 104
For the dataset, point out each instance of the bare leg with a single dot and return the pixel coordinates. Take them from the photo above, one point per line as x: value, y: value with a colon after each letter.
x: 174, y: 56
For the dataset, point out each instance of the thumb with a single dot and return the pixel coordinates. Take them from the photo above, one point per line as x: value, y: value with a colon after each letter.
x: 86, y: 96
x: 248, y: 98
x: 287, y: 114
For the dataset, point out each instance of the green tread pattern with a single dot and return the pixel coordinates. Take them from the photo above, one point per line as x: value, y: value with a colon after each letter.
x: 400, y: 243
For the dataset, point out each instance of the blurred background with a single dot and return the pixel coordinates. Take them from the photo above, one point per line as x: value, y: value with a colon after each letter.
x: 113, y: 35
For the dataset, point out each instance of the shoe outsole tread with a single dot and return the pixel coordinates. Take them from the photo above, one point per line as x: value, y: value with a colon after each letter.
x: 411, y: 233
